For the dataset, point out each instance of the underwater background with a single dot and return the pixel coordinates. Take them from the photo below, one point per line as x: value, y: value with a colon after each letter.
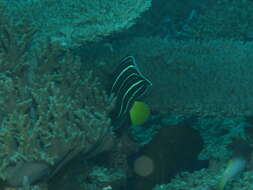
x: 126, y: 95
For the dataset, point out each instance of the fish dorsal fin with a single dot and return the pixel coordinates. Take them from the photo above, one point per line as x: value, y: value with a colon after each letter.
x: 127, y: 66
x: 128, y: 84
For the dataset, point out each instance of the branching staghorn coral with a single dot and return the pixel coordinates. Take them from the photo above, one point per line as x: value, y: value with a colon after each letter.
x: 59, y: 125
x: 50, y: 110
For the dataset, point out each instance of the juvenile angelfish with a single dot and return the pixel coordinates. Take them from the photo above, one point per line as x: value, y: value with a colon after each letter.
x: 129, y: 84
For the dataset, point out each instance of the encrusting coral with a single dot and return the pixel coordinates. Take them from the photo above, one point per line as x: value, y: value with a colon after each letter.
x: 204, y: 179
x: 208, y: 179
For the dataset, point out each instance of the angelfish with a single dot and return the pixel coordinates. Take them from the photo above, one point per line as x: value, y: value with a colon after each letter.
x: 129, y: 84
